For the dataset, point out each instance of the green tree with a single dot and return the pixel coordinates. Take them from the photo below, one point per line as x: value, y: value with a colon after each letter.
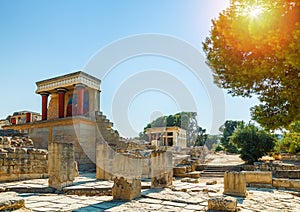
x: 212, y: 142
x: 227, y: 130
x: 201, y: 137
x: 254, y: 49
x: 291, y: 139
x: 252, y: 142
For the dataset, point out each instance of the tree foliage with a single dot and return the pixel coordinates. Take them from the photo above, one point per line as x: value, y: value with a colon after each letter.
x: 227, y: 130
x: 291, y: 139
x: 185, y: 120
x: 259, y: 55
x: 252, y: 142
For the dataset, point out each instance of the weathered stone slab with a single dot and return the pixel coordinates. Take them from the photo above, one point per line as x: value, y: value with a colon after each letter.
x: 293, y: 184
x: 126, y: 189
x: 179, y: 171
x: 235, y: 183
x: 258, y: 177
x: 222, y: 204
x: 292, y: 174
x: 10, y: 201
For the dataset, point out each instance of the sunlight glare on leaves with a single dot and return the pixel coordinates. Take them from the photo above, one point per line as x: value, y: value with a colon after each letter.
x: 255, y: 11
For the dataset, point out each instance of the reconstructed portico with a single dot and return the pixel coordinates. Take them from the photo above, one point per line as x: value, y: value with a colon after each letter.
x: 70, y: 95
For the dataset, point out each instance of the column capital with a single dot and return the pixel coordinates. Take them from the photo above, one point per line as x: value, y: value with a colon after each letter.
x: 80, y: 85
x: 44, y: 93
x: 62, y: 90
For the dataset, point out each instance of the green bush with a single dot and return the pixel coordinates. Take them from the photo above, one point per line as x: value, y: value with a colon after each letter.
x: 252, y: 142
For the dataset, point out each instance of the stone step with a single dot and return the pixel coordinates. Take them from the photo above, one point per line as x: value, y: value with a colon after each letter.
x: 212, y: 174
x: 195, y: 174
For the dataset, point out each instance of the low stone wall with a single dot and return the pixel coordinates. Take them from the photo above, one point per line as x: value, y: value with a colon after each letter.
x: 289, y: 157
x: 286, y: 183
x: 260, y: 166
x: 22, y: 163
x: 258, y: 177
x: 292, y: 174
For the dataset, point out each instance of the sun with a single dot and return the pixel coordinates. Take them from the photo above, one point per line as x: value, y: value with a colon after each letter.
x: 255, y: 11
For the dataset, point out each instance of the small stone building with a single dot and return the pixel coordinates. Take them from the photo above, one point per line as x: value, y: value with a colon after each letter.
x: 167, y: 136
x: 22, y: 117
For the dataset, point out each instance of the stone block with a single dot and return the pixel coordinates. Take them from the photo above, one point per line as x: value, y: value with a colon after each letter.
x: 292, y: 174
x: 163, y: 180
x: 179, y: 171
x: 161, y: 169
x: 235, y: 184
x: 9, y: 201
x: 104, y: 162
x: 126, y: 189
x: 61, y: 165
x: 258, y: 177
x: 281, y: 183
x: 195, y: 174
x: 222, y: 204
x: 212, y: 182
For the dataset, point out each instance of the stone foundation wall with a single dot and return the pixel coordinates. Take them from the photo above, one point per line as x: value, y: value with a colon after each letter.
x: 22, y: 163
x: 289, y: 157
x: 259, y: 166
x: 258, y: 177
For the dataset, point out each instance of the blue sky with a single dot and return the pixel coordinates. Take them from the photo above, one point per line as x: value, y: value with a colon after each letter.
x: 43, y: 39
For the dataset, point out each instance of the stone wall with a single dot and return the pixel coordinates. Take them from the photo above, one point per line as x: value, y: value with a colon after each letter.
x: 260, y: 166
x: 22, y: 163
x: 289, y: 157
x: 258, y: 177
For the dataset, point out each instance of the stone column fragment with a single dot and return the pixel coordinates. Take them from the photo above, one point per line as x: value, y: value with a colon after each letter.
x: 61, y: 166
x: 235, y: 184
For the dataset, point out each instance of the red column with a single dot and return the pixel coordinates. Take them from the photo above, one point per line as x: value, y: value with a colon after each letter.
x: 80, y: 97
x: 28, y: 117
x: 44, y: 105
x: 61, y: 102
x: 13, y: 121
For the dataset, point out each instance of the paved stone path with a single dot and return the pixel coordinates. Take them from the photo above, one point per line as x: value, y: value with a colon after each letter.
x: 182, y: 196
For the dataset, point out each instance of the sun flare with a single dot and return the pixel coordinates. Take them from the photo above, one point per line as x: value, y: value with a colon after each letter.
x: 254, y: 12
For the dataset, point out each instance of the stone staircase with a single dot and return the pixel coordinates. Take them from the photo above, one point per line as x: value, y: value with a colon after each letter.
x: 218, y: 170
x: 106, y: 130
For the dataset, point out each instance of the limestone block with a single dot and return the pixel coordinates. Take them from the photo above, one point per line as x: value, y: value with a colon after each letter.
x: 163, y: 180
x: 127, y: 165
x: 126, y: 189
x: 295, y: 184
x: 281, y: 183
x: 104, y: 161
x: 61, y: 165
x: 161, y: 169
x: 292, y: 174
x: 179, y: 171
x: 222, y: 204
x: 258, y: 177
x: 212, y: 182
x: 9, y: 201
x: 235, y: 183
x: 195, y: 174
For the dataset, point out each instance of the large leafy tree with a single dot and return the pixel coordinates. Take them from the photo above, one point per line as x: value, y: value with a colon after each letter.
x: 254, y: 49
x: 291, y: 139
x: 227, y: 130
x: 252, y: 142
